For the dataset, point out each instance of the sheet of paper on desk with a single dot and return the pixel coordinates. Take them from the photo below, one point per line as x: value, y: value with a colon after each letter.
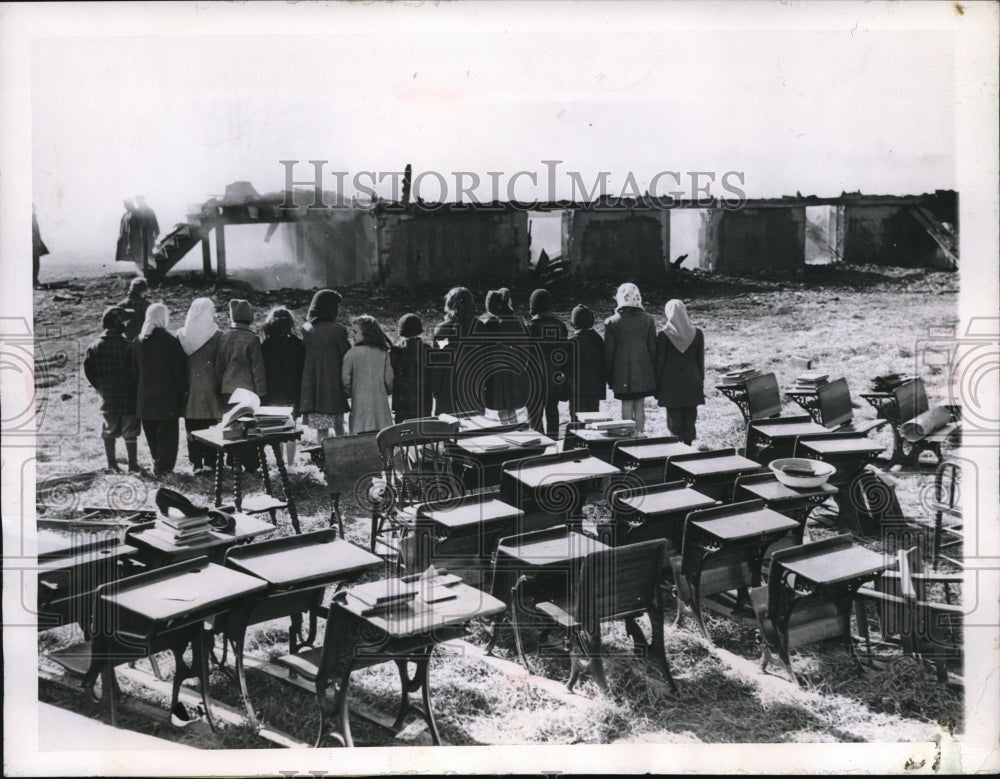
x: 437, y: 594
x: 491, y: 442
x: 521, y: 438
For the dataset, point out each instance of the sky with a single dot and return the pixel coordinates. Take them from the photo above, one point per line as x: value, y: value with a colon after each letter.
x: 177, y: 117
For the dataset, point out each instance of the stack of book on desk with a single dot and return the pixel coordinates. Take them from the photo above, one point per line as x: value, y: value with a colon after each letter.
x: 273, y: 419
x: 614, y: 426
x: 888, y: 382
x: 739, y: 377
x: 810, y: 381
x: 180, y: 530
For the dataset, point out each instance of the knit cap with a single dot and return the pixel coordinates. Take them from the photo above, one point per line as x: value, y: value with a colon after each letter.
x: 540, y: 302
x: 240, y: 311
x: 112, y: 319
x: 409, y: 326
x: 582, y: 318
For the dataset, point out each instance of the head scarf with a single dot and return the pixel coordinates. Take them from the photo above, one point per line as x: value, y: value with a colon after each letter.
x: 628, y: 295
x: 679, y: 329
x: 498, y: 302
x: 582, y: 318
x: 199, y: 326
x: 156, y: 316
x: 540, y: 302
x: 137, y: 286
x: 409, y: 326
x: 325, y: 306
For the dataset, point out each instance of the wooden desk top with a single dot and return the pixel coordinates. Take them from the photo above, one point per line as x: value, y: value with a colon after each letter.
x: 459, y: 604
x: 212, y: 436
x: 581, y: 468
x: 63, y: 557
x: 465, y: 514
x: 751, y: 524
x: 497, y: 443
x: 247, y: 527
x: 311, y: 558
x: 842, y: 445
x: 668, y: 501
x: 776, y: 430
x: 770, y: 490
x: 557, y: 545
x: 641, y: 451
x: 197, y: 588
x: 592, y: 436
x: 715, y: 466
x: 838, y: 565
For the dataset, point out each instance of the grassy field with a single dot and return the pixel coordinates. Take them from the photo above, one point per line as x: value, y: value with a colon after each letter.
x: 856, y: 322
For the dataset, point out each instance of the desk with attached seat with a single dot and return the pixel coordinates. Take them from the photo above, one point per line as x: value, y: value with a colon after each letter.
x: 795, y: 502
x: 359, y: 636
x: 156, y: 550
x: 653, y: 512
x: 164, y: 609
x: 723, y: 549
x: 809, y: 593
x: 647, y: 458
x: 478, y: 460
x: 712, y: 473
x: 297, y: 570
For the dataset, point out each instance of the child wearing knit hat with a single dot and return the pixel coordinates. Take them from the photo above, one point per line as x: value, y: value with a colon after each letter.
x: 550, y: 336
x: 411, y: 394
x: 586, y: 370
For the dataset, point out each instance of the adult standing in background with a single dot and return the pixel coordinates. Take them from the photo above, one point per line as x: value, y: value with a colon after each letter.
x: 630, y: 354
x: 131, y: 236
x: 150, y: 228
x: 680, y: 370
x: 325, y: 340
x: 38, y: 249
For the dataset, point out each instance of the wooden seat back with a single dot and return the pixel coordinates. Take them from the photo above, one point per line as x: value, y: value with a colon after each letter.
x: 835, y: 406
x: 763, y: 397
x: 348, y: 460
x: 617, y: 582
x: 911, y: 399
x: 414, y: 460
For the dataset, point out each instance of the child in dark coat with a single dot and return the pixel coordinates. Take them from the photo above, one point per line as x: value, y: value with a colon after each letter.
x: 549, y: 335
x: 506, y: 388
x: 108, y: 367
x: 240, y: 364
x: 680, y: 370
x: 586, y: 370
x: 630, y: 353
x: 284, y: 358
x: 325, y: 339
x: 411, y: 392
x: 135, y: 306
x: 161, y: 371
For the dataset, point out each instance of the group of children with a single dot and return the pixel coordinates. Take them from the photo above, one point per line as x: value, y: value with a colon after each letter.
x: 148, y: 378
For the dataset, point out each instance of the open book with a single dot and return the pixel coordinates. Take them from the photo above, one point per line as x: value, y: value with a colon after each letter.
x: 245, y: 405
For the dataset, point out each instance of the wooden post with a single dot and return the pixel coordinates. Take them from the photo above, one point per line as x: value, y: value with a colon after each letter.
x: 206, y: 255
x: 220, y: 251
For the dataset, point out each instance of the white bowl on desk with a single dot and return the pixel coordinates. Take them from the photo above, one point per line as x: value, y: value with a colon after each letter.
x: 821, y: 472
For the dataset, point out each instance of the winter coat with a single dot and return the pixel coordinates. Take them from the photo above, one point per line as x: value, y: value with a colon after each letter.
x: 680, y: 376
x: 550, y: 336
x: 504, y: 339
x: 204, y: 400
x: 411, y: 393
x: 325, y: 345
x: 455, y: 367
x: 108, y: 367
x: 367, y: 378
x: 239, y: 363
x: 284, y: 359
x: 160, y: 366
x: 586, y: 369
x: 630, y: 351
